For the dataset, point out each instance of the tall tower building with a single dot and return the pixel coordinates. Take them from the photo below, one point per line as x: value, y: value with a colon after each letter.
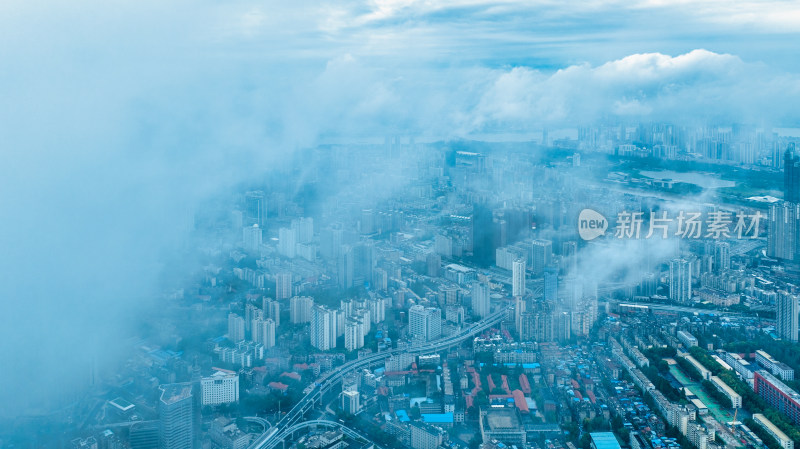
x: 272, y: 310
x: 649, y: 285
x: 518, y: 278
x: 300, y: 309
x: 791, y: 175
x: 353, y: 334
x: 680, y: 280
x: 783, y: 231
x: 569, y: 257
x: 787, y: 316
x: 197, y: 403
x: 541, y: 255
x: 175, y: 406
x: 330, y: 242
x: 424, y: 323
x: 264, y: 332
x: 287, y: 242
x: 255, y: 208
x: 303, y: 229
x: 235, y: 328
x: 363, y: 261
x: 722, y: 256
x: 550, y: 283
x: 283, y: 285
x: 483, y: 235
x: 480, y: 299
x: 323, y: 328
x: 377, y: 310
x: 346, y: 267
x: 251, y: 237
x: 520, y: 308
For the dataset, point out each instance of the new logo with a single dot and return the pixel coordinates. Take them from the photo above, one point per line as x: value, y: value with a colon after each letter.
x: 591, y: 224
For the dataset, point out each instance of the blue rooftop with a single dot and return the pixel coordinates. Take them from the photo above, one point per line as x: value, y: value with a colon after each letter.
x: 604, y: 440
x: 440, y: 418
x: 402, y: 416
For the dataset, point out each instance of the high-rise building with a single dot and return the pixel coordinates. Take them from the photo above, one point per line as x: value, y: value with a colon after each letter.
x: 480, y: 299
x: 144, y: 435
x: 300, y: 309
x: 518, y: 278
x: 791, y: 175
x: 569, y: 257
x: 287, y: 242
x: 541, y: 255
x: 350, y: 402
x: 367, y: 223
x: 680, y: 280
x: 649, y: 285
x: 783, y: 231
x: 272, y: 310
x: 787, y: 316
x: 777, y: 394
x: 283, y: 285
x: 722, y: 256
x: 235, y: 328
x: 377, y: 310
x: 330, y: 242
x: 347, y: 306
x: 483, y: 235
x: 323, y: 328
x: 380, y: 279
x: 520, y: 307
x: 222, y: 387
x: 363, y: 262
x: 175, y: 416
x: 353, y: 334
x: 424, y: 323
x: 346, y: 267
x: 251, y: 237
x: 251, y: 313
x: 365, y: 317
x: 303, y: 229
x: 255, y: 208
x: 264, y: 332
x: 550, y: 283
x: 434, y: 262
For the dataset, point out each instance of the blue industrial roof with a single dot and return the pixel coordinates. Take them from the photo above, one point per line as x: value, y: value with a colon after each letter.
x: 433, y: 418
x: 605, y: 440
x: 402, y: 416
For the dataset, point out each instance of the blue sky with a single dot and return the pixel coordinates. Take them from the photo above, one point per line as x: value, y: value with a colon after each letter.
x: 118, y: 118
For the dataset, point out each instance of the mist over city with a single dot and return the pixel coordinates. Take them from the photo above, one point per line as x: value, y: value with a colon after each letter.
x: 398, y: 223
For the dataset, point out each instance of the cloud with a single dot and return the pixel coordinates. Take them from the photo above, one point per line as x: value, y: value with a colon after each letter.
x: 698, y: 87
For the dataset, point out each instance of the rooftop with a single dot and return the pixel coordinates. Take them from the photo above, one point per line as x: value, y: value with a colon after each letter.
x: 172, y: 393
x: 502, y: 419
x: 604, y: 440
x: 121, y: 404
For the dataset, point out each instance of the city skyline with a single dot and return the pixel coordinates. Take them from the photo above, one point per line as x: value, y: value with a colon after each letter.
x: 197, y: 191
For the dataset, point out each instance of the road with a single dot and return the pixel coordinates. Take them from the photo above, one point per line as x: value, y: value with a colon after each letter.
x: 682, y: 309
x: 271, y: 437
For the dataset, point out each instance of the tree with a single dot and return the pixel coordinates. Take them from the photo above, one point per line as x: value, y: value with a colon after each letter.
x: 415, y: 413
x: 475, y: 442
x: 586, y: 441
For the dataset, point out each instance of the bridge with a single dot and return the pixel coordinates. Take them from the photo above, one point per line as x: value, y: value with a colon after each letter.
x: 270, y: 439
x: 283, y: 435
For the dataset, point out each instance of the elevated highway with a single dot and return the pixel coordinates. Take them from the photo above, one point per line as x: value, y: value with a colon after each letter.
x: 272, y: 437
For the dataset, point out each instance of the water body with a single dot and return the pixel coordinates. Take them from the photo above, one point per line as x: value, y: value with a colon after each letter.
x: 704, y: 180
